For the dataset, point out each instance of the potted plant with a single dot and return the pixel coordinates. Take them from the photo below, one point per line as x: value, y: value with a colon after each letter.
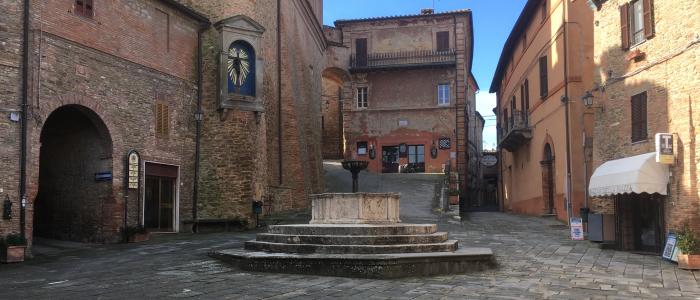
x: 13, y: 248
x: 454, y: 196
x: 137, y: 234
x: 689, y: 249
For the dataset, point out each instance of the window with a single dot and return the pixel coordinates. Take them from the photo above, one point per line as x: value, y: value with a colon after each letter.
x: 444, y: 143
x: 636, y: 22
x: 416, y: 158
x: 544, y: 86
x: 361, y: 52
x: 362, y: 97
x: 524, y: 42
x: 84, y: 8
x: 443, y: 94
x: 525, y: 96
x: 639, y: 117
x: 545, y: 10
x: 361, y: 148
x: 442, y: 41
x: 162, y: 119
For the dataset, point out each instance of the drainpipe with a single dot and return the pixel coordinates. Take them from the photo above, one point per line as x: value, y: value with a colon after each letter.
x: 279, y: 92
x: 199, y: 117
x: 23, y: 124
x: 566, y: 116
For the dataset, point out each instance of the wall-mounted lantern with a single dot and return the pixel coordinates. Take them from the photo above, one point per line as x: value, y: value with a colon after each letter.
x: 587, y: 99
x: 372, y: 152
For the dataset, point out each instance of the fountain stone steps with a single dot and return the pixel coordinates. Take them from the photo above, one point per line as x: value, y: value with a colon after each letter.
x: 432, y: 238
x: 448, y: 246
x: 353, y: 229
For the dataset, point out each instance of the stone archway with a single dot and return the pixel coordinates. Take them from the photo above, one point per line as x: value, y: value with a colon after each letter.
x: 334, y: 82
x: 548, y: 189
x: 75, y: 176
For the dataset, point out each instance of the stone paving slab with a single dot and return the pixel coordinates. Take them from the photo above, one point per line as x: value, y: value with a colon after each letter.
x: 536, y: 260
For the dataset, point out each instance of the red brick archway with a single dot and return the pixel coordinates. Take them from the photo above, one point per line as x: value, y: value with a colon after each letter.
x: 75, y: 177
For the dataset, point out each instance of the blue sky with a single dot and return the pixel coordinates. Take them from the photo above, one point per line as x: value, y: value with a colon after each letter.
x: 493, y: 20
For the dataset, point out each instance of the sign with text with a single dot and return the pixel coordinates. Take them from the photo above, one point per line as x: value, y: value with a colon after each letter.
x: 670, y: 246
x: 576, y: 229
x: 664, y: 148
x: 133, y: 173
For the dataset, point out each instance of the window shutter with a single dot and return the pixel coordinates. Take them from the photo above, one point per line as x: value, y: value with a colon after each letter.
x: 443, y: 41
x: 166, y: 120
x: 361, y: 52
x: 648, y: 19
x: 624, y: 25
x: 544, y: 78
x: 80, y: 7
x: 159, y: 114
x: 639, y: 117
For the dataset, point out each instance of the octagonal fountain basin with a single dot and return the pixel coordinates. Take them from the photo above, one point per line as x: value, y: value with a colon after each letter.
x: 357, y: 208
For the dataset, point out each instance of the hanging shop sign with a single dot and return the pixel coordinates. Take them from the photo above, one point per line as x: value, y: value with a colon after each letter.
x: 134, y: 161
x: 664, y: 148
x: 576, y: 229
x: 489, y: 160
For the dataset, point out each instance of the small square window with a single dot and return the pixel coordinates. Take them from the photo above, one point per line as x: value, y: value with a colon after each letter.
x: 361, y: 148
x: 84, y: 8
x: 443, y: 94
x: 362, y: 97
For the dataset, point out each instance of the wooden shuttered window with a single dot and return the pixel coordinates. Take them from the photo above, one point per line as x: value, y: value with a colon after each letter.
x: 162, y: 119
x: 84, y: 8
x: 648, y: 18
x: 361, y: 52
x: 624, y: 26
x: 442, y: 41
x: 630, y: 26
x: 544, y: 78
x: 639, y: 117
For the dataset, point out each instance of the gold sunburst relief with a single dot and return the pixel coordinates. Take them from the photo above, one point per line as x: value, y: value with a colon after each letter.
x: 238, y: 66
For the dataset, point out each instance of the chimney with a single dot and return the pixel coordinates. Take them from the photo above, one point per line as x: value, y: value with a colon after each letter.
x: 427, y: 11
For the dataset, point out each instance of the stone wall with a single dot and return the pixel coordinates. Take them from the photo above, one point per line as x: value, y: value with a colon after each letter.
x: 667, y: 72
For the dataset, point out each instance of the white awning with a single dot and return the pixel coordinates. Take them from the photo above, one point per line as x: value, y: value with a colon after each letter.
x: 631, y: 175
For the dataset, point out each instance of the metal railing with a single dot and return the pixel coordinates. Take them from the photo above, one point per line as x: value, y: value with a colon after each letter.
x: 517, y: 121
x: 403, y: 58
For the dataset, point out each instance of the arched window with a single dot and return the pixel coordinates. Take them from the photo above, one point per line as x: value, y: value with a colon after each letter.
x: 548, y: 155
x: 241, y: 69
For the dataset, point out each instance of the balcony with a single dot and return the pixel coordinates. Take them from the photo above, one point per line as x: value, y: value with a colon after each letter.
x: 402, y: 59
x: 516, y: 132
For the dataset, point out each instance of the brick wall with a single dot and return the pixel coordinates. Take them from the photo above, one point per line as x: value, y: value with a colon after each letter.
x: 667, y: 72
x: 10, y: 100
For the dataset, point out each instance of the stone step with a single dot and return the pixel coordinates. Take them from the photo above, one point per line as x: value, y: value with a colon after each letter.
x: 432, y: 238
x: 379, y: 266
x: 353, y: 229
x: 447, y: 246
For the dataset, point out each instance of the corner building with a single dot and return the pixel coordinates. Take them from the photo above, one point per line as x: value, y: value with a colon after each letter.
x: 120, y: 119
x: 542, y: 122
x: 407, y: 91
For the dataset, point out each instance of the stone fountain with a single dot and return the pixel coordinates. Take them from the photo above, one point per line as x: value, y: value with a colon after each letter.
x: 357, y: 235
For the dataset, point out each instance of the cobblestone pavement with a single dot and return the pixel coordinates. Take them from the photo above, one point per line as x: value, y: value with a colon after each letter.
x: 536, y: 259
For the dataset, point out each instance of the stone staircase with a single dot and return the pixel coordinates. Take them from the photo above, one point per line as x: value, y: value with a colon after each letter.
x: 357, y: 235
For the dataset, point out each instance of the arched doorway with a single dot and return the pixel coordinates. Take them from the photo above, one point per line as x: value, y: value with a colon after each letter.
x: 75, y: 176
x: 333, y: 81
x: 548, y: 179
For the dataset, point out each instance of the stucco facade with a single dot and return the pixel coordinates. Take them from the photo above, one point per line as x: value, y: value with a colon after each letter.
x: 540, y: 78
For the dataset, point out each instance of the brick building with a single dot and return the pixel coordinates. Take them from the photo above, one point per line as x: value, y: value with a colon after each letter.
x: 103, y: 78
x: 539, y: 82
x: 407, y: 91
x: 646, y: 83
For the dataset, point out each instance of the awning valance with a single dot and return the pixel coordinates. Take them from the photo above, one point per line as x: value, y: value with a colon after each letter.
x: 631, y: 175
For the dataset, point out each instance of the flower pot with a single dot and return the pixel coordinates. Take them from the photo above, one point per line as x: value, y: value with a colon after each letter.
x: 689, y: 262
x: 13, y: 254
x: 454, y: 200
x: 139, y: 237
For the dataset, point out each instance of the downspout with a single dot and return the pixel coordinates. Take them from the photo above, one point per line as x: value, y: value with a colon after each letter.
x: 566, y: 116
x: 199, y: 116
x: 279, y: 92
x: 23, y: 124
